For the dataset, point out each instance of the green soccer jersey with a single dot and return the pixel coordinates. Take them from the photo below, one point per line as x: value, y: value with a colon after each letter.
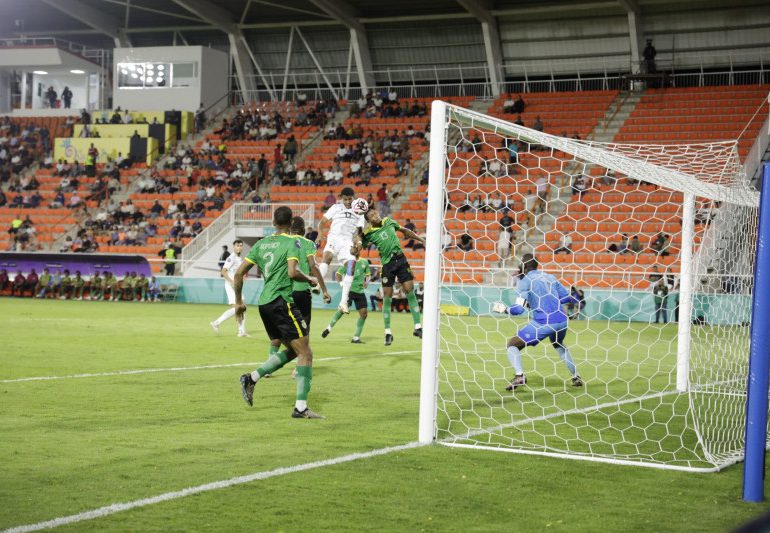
x: 66, y: 281
x: 272, y: 255
x: 360, y: 274
x: 306, y: 250
x: 78, y: 282
x: 385, y: 239
x: 44, y: 280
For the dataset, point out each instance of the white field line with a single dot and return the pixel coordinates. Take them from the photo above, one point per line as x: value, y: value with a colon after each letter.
x: 168, y: 496
x: 184, y: 368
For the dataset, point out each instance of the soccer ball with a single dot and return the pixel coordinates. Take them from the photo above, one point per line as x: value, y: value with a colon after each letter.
x: 359, y: 206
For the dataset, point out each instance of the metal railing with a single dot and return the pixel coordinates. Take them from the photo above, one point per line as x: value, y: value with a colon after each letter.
x: 241, y: 214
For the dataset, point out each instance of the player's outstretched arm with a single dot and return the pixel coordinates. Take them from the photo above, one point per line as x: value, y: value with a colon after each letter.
x: 323, y: 229
x: 409, y: 234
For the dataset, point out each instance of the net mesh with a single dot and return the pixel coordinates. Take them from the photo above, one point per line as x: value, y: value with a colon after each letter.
x: 606, y: 220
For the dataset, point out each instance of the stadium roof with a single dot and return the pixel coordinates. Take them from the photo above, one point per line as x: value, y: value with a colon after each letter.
x: 148, y: 22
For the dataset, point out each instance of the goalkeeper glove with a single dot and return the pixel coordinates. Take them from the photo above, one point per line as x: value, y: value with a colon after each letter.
x: 522, y: 302
x: 500, y: 307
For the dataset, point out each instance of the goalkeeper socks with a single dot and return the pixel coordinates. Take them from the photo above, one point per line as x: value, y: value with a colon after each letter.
x: 567, y: 358
x: 335, y: 318
x: 347, y: 281
x: 386, y: 303
x: 304, y: 380
x: 514, y: 356
x: 273, y: 363
x: 414, y: 307
x: 359, y: 327
x: 323, y: 268
x: 224, y: 316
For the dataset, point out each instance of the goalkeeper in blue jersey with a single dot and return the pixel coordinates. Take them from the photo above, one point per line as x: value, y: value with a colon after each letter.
x: 543, y: 295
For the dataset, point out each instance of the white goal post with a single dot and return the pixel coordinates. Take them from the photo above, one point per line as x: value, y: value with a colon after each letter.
x: 668, y: 395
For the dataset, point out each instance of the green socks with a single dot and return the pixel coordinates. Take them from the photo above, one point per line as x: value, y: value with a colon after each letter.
x: 272, y: 350
x: 273, y: 363
x: 304, y: 380
x: 386, y: 304
x: 414, y: 307
x: 359, y: 327
x: 335, y: 318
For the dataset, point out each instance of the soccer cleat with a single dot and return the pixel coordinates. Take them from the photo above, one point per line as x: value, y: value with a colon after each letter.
x: 417, y: 332
x: 325, y: 332
x: 343, y: 307
x: 307, y: 413
x: 356, y: 340
x: 577, y: 381
x: 388, y: 339
x: 243, y: 334
x: 247, y: 388
x: 214, y: 326
x: 517, y: 381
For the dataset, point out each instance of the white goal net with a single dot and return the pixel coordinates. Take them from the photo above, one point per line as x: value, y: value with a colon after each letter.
x: 655, y: 243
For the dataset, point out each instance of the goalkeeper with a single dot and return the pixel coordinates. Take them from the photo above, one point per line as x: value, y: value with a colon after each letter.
x: 543, y: 295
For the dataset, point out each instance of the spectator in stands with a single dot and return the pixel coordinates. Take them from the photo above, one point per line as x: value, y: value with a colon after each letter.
x: 291, y: 148
x: 66, y: 96
x: 16, y: 224
x: 543, y: 188
x: 91, y: 158
x: 504, y: 244
x: 200, y: 118
x: 466, y: 243
x: 665, y: 245
x: 496, y: 202
x: 519, y: 121
x: 538, y: 125
x: 636, y: 245
x: 311, y: 234
x: 657, y: 243
x: 518, y: 105
x: 508, y: 105
x: 579, y: 185
x: 649, y: 54
x: 565, y: 245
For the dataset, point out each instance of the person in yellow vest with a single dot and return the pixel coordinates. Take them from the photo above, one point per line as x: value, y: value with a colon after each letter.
x: 15, y: 225
x: 91, y: 157
x: 170, y: 260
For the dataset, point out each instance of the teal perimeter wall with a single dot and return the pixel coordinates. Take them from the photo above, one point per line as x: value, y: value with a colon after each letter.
x: 619, y: 305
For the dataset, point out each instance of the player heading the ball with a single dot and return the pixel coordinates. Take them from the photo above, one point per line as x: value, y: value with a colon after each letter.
x: 341, y: 227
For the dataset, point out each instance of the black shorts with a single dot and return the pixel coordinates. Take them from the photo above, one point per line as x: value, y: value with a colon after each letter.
x: 398, y: 267
x: 304, y: 302
x: 359, y: 298
x: 283, y: 320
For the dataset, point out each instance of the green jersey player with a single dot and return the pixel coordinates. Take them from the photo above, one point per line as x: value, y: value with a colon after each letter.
x: 361, y: 275
x: 277, y: 257
x: 382, y: 233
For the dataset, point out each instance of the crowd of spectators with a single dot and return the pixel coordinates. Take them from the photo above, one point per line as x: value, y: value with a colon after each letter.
x: 261, y: 124
x: 386, y: 104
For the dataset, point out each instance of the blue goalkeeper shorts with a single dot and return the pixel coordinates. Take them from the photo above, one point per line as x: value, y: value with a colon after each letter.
x: 534, y: 332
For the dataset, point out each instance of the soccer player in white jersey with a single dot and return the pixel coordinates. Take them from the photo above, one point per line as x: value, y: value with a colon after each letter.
x: 232, y: 263
x: 344, y: 228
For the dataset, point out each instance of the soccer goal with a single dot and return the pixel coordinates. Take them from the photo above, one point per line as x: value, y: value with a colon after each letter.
x: 660, y: 241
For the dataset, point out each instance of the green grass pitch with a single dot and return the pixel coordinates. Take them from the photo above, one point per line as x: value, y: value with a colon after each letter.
x: 76, y: 444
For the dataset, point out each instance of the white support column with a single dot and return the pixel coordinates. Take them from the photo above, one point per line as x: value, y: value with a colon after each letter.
x: 634, y: 32
x: 243, y: 66
x: 360, y: 45
x: 288, y: 63
x: 431, y: 302
x: 270, y: 87
x: 685, y: 295
x: 317, y: 64
x: 482, y: 10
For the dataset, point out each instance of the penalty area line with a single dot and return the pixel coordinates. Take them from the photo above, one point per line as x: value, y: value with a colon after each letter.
x: 168, y: 496
x: 185, y: 368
